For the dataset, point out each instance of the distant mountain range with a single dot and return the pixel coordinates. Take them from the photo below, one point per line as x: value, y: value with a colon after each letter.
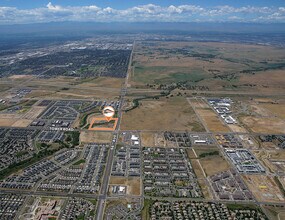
x: 86, y: 28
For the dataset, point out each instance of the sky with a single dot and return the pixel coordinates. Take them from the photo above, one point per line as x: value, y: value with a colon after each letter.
x: 42, y: 11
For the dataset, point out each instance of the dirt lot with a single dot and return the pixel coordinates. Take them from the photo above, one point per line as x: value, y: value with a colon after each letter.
x: 7, y: 121
x: 22, y: 123
x: 264, y: 188
x: 264, y: 125
x: 93, y: 136
x: 163, y: 114
x: 249, y: 142
x: 34, y: 112
x: 147, y: 139
x: 133, y: 184
x: 237, y: 128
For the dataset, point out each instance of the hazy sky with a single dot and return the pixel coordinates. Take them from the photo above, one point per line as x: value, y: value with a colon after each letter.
x: 34, y: 11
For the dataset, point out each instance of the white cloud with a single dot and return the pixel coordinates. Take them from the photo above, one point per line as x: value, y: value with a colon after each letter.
x: 50, y: 6
x: 149, y: 12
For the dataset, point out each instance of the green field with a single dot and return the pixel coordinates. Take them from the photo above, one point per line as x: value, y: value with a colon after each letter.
x: 166, y: 74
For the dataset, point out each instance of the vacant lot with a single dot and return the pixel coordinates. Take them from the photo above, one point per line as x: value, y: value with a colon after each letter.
x: 147, y: 139
x: 163, y: 114
x: 22, y: 123
x: 93, y: 136
x: 275, y: 109
x: 264, y: 124
x: 7, y: 121
x: 212, y: 164
x: 133, y: 184
x: 264, y: 188
x: 34, y: 112
x: 211, y: 120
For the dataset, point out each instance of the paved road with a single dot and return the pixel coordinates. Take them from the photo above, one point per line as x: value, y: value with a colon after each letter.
x: 107, y: 173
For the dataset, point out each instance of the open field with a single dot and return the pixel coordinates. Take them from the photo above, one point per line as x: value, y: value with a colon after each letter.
x: 263, y: 115
x: 276, y: 109
x: 217, y: 66
x: 208, y: 117
x: 197, y: 169
x: 34, y: 112
x: 264, y: 125
x: 133, y: 184
x: 205, y: 189
x: 7, y: 121
x: 191, y: 154
x: 237, y: 128
x: 22, y: 117
x: 93, y: 136
x: 271, y: 80
x: 76, y: 88
x: 147, y: 139
x: 211, y: 120
x: 162, y: 114
x: 264, y: 188
x: 22, y: 123
x: 212, y: 164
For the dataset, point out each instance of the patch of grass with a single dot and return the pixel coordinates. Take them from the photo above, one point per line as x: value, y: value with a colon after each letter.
x: 146, y: 209
x: 72, y: 137
x: 81, y: 161
x: 211, y: 153
x: 236, y: 206
x: 93, y: 201
x: 194, y: 76
x: 197, y: 127
x: 84, y: 117
x: 21, y: 153
x: 81, y: 217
